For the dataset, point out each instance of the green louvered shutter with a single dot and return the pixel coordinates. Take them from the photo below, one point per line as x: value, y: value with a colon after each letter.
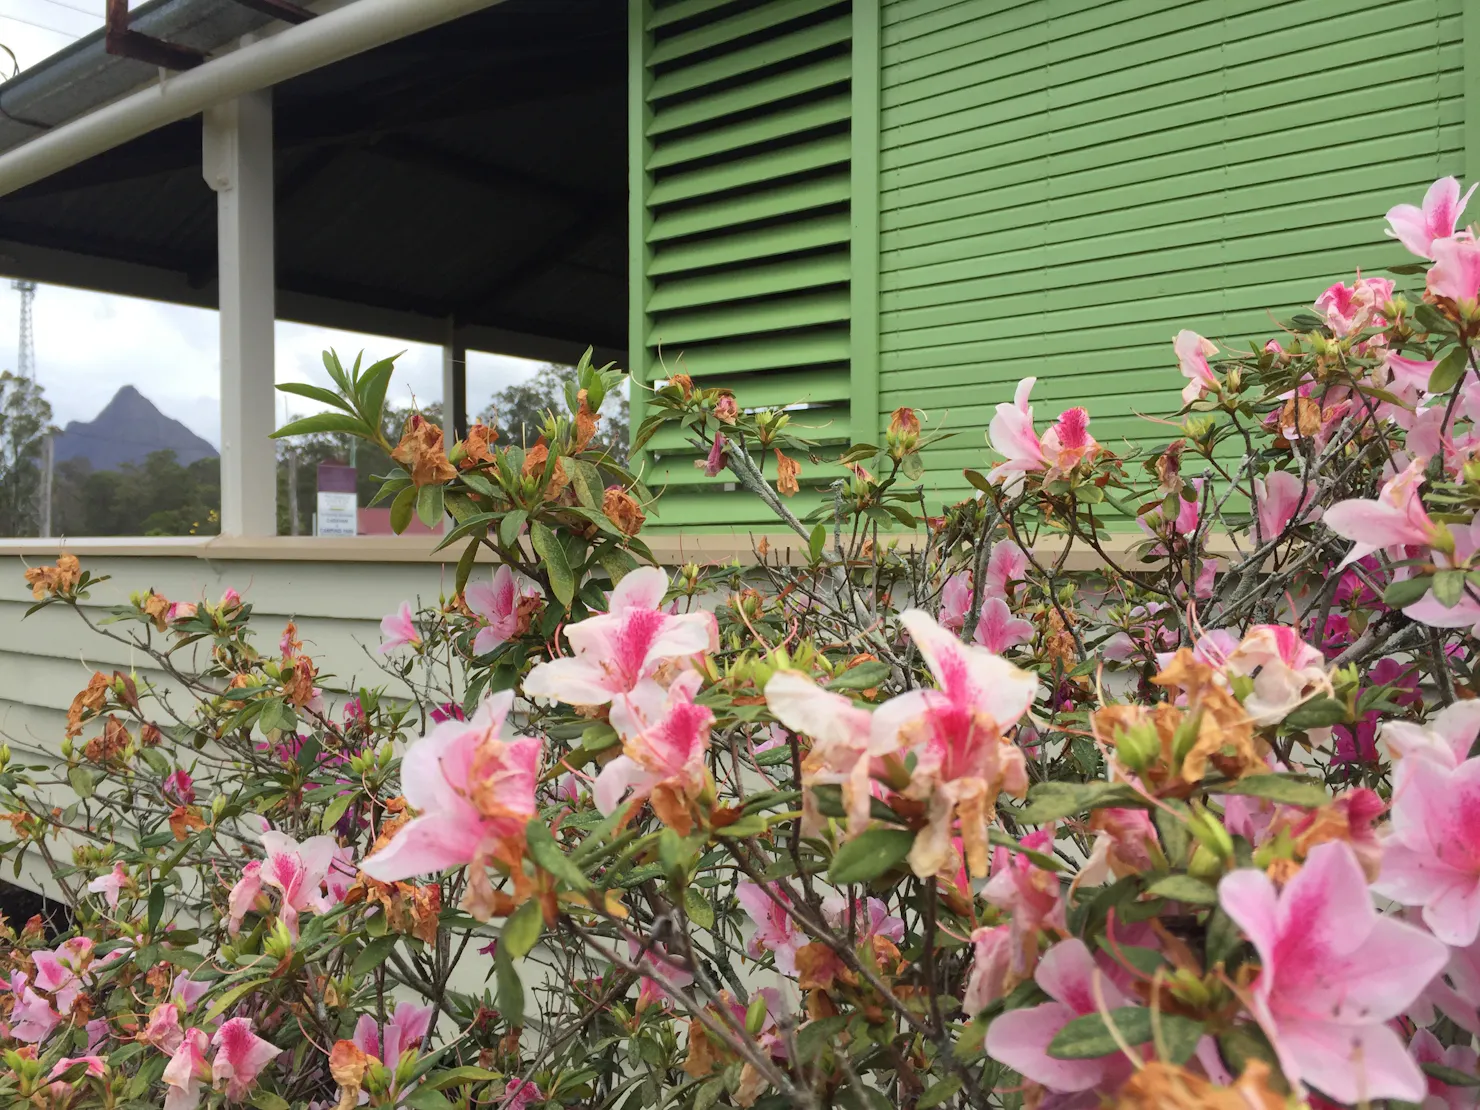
x: 1066, y: 183
x: 740, y: 224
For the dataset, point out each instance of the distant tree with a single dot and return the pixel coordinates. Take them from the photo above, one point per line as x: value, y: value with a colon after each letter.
x: 25, y: 421
x: 157, y: 497
x: 518, y: 411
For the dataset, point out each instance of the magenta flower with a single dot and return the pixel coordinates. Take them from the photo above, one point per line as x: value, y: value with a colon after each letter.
x: 520, y: 1094
x: 398, y: 629
x: 501, y: 606
x: 1417, y: 228
x: 775, y: 931
x: 448, y: 711
x: 616, y: 650
x: 240, y: 1057
x: 1431, y: 857
x: 1020, y: 1038
x: 186, y: 1072
x: 664, y: 738
x: 1280, y: 499
x: 1396, y: 518
x: 474, y: 791
x: 408, y: 1026
x: 1193, y: 352
x: 955, y: 734
x: 1333, y: 973
x: 1456, y: 270
x: 179, y: 788
x: 109, y: 885
x: 715, y: 462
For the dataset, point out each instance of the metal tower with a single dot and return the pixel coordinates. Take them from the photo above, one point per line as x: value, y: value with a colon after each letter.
x: 26, y: 352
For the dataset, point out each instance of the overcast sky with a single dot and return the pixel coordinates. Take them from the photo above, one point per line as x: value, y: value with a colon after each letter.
x: 90, y: 344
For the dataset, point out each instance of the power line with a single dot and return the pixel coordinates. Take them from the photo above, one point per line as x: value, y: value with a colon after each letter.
x: 79, y: 11
x: 43, y: 26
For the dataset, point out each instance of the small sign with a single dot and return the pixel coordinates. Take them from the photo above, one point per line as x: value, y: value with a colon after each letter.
x: 338, y: 514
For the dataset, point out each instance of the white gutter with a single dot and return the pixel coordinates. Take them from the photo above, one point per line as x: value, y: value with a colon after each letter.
x: 328, y: 38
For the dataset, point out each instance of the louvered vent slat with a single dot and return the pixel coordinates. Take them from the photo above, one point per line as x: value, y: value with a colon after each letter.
x: 746, y: 192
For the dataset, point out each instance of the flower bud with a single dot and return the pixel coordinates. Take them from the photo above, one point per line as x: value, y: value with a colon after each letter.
x: 66, y: 747
x: 1205, y: 863
x: 1138, y: 746
x: 4, y: 754
x: 218, y: 806
x: 755, y: 1015
x: 279, y: 942
x: 1210, y: 833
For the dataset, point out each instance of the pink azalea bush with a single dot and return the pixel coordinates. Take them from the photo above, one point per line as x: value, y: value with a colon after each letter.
x: 955, y: 822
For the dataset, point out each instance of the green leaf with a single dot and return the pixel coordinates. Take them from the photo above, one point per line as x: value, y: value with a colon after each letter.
x: 266, y: 1100
x: 156, y: 760
x: 813, y: 1037
x: 1285, y: 789
x: 1450, y: 370
x: 1407, y: 591
x: 478, y: 522
x: 544, y: 850
x: 82, y: 781
x: 511, y: 526
x: 510, y: 991
x: 978, y: 480
x: 315, y: 393
x: 1184, y: 888
x: 1449, y: 587
x: 1317, y: 713
x: 870, y: 854
x: 465, y: 563
x: 817, y: 541
x: 426, y: 1097
x: 698, y: 908
x: 548, y: 548
x: 1051, y: 801
x: 373, y: 955
x: 1244, y: 1043
x: 1451, y: 1076
x: 373, y: 383
x: 335, y: 810
x: 156, y: 907
x: 865, y: 676
x: 324, y: 422
x: 402, y: 508
x: 1223, y: 938
x: 467, y: 1073
x: 1088, y: 1037
x: 587, y: 483
x: 429, y: 505
x: 710, y: 1090
x: 521, y: 930
x: 939, y: 1091
x: 232, y: 997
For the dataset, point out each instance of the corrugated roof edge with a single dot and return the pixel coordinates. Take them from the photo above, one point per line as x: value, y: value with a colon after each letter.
x: 84, y: 76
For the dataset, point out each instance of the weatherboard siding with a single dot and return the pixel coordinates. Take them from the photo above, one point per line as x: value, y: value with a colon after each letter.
x: 1066, y: 183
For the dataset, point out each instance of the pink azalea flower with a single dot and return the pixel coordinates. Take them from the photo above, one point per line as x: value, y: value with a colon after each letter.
x: 520, y: 1094
x: 1286, y: 670
x: 650, y: 991
x: 1349, y: 310
x: 1193, y: 352
x: 1431, y: 857
x: 955, y: 601
x: 245, y: 896
x: 664, y: 738
x: 1456, y: 270
x: 1068, y: 441
x: 1426, y: 1049
x: 841, y: 745
x: 179, y: 611
x: 869, y: 918
x: 473, y: 789
x: 97, y: 1034
x: 955, y: 733
x: 1396, y: 518
x: 109, y: 885
x: 229, y: 600
x: 997, y: 629
x: 179, y: 788
x: 1280, y: 498
x: 498, y: 605
x: 1445, y: 739
x: 1013, y: 436
x: 408, y: 1026
x: 1007, y: 563
x: 715, y: 462
x: 240, y: 1057
x: 187, y: 992
x: 32, y: 1019
x: 1417, y: 228
x: 991, y: 964
x: 398, y: 629
x: 186, y: 1072
x: 618, y: 649
x: 1333, y: 973
x: 1207, y: 578
x: 448, y: 711
x: 1465, y: 613
x: 96, y: 1066
x: 775, y: 931
x: 1020, y: 1038
x: 163, y: 1030
x: 1030, y: 894
x: 298, y: 872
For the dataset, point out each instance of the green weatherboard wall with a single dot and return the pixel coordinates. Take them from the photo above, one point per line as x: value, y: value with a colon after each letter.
x: 918, y: 202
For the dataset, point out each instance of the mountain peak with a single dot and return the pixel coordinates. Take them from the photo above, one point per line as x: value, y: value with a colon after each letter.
x: 128, y: 430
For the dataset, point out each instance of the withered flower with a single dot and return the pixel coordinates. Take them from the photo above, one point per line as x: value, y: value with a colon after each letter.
x: 475, y: 446
x: 622, y: 509
x: 788, y: 470
x: 60, y: 579
x: 534, y: 463
x: 586, y: 422
x: 420, y: 452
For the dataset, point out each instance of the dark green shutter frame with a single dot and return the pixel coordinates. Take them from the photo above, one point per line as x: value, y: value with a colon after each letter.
x: 741, y: 171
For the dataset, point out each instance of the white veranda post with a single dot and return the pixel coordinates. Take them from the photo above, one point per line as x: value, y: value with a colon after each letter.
x: 237, y: 162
